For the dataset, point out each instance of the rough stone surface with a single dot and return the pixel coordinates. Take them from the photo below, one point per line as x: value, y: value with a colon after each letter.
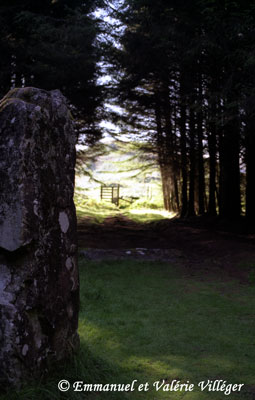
x: 39, y: 284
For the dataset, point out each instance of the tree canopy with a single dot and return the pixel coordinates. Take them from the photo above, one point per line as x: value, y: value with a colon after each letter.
x: 183, y: 73
x: 52, y: 44
x: 186, y: 81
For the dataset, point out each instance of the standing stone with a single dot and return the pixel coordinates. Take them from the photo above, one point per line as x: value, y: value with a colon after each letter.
x: 39, y: 284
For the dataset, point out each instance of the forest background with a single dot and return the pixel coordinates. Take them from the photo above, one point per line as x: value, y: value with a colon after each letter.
x: 176, y: 77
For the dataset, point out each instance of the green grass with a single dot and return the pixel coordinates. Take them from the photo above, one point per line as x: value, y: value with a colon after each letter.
x: 145, y: 215
x: 250, y: 266
x: 152, y: 321
x: 97, y: 211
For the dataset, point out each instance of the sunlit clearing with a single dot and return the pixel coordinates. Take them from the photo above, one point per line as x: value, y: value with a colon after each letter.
x: 163, y: 213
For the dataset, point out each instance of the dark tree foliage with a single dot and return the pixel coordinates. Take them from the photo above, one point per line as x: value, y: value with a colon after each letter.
x: 185, y: 76
x: 52, y: 44
x: 183, y: 72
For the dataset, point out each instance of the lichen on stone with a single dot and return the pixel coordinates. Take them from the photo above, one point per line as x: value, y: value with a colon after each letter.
x: 39, y: 288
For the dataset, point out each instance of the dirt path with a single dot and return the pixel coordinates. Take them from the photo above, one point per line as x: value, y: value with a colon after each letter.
x: 202, y: 244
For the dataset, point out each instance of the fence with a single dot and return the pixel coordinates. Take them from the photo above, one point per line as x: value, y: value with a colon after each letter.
x: 110, y: 193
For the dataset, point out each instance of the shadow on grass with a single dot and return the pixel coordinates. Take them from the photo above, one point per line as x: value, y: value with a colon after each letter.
x: 154, y: 322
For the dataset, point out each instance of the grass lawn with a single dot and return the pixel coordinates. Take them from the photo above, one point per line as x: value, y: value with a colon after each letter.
x: 98, y: 215
x: 153, y: 321
x: 98, y: 211
x: 147, y: 215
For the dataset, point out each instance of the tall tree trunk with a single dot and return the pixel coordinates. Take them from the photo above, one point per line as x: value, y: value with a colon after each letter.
x: 170, y: 149
x: 221, y: 161
x: 201, y: 169
x: 212, y: 142
x: 165, y: 187
x: 183, y: 142
x: 176, y: 169
x: 161, y: 153
x: 191, y: 205
x: 250, y: 167
x: 184, y: 196
x: 176, y: 194
x: 230, y: 172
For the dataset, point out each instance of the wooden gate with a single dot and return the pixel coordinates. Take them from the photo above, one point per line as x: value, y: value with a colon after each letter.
x: 110, y: 193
